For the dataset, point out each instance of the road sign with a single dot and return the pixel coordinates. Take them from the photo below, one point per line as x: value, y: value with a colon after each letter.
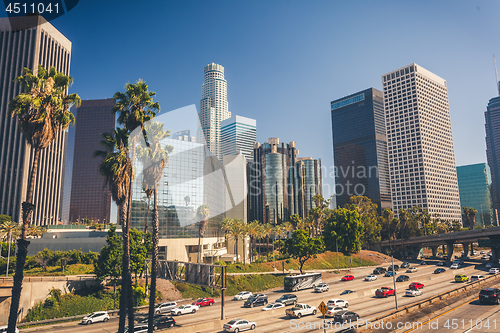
x: 350, y: 260
x: 322, y: 307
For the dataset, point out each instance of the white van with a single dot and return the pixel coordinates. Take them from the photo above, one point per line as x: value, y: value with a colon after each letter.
x: 476, y: 278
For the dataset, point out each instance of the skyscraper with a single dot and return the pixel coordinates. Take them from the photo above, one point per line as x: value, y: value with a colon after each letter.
x: 213, y: 108
x: 238, y: 134
x: 308, y: 184
x: 89, y: 197
x: 360, y: 148
x: 28, y: 42
x: 420, y: 144
x: 492, y: 117
x: 474, y: 183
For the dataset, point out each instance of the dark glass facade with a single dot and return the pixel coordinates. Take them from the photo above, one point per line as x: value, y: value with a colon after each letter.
x: 360, y: 148
x: 492, y: 116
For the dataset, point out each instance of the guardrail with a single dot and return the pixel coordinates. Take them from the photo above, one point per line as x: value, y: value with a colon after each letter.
x: 51, y: 278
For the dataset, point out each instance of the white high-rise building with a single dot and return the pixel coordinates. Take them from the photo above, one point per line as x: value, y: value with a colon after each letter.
x: 238, y: 134
x: 420, y: 144
x: 213, y: 108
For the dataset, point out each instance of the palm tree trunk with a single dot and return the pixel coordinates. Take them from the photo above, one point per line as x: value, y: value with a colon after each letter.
x: 124, y: 289
x: 237, y: 252
x: 22, y: 248
x: 199, y: 246
x: 126, y: 257
x: 154, y: 264
x: 147, y: 215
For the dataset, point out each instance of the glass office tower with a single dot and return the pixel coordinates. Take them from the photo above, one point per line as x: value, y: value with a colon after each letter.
x: 492, y: 116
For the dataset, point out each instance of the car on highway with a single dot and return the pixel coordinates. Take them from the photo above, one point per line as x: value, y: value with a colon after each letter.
x: 405, y: 264
x: 336, y: 302
x: 476, y: 278
x: 489, y: 265
x: 455, y: 266
x: 145, y: 320
x: 345, y: 316
x: 3, y: 329
x: 390, y: 273
x: 138, y: 329
x: 165, y: 307
x: 242, y: 295
x: 494, y: 270
x: 489, y: 295
x: 183, y: 309
x: 441, y: 263
x: 403, y: 278
x: 300, y: 310
x: 485, y: 257
x: 391, y: 268
x: 163, y: 322
x: 322, y: 287
x: 347, y: 278
x: 413, y: 292
x: 384, y: 292
x: 439, y: 270
x: 331, y: 312
x: 412, y: 270
x: 461, y: 278
x: 379, y: 270
x: 255, y: 301
x: 238, y: 325
x: 371, y: 277
x: 347, y: 292
x: 204, y: 302
x: 95, y: 317
x: 273, y: 306
x: 482, y: 252
x: 416, y: 285
x: 288, y: 299
x: 474, y: 253
x: 423, y: 263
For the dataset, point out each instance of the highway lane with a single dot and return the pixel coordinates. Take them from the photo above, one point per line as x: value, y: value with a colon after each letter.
x: 366, y: 306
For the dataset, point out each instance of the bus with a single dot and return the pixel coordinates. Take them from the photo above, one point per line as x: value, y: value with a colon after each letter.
x: 302, y: 281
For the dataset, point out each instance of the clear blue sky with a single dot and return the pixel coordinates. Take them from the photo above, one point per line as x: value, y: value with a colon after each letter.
x: 286, y: 60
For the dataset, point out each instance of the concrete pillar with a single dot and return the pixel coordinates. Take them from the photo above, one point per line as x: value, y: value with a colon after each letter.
x: 434, y: 251
x: 494, y: 254
x: 471, y: 249
x: 466, y: 248
x: 449, y: 249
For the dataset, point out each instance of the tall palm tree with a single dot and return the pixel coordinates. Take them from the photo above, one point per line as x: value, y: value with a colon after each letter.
x: 149, y: 194
x: 116, y: 168
x: 9, y: 230
x: 317, y: 212
x: 42, y: 111
x: 268, y: 229
x: 154, y: 159
x: 202, y: 212
x: 36, y: 231
x: 135, y: 107
x: 253, y: 233
x: 295, y: 220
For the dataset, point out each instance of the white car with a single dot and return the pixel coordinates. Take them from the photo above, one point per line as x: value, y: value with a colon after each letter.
x: 482, y: 252
x: 413, y: 292
x: 412, y: 270
x: 334, y: 302
x: 494, y: 270
x: 3, y: 329
x: 242, y: 295
x: 476, y: 278
x: 237, y: 325
x: 188, y: 308
x: 455, y: 266
x: 371, y: 278
x: 273, y: 306
x: 95, y: 317
x: 489, y: 265
x: 138, y: 329
x: 331, y: 312
x: 165, y: 307
x: 321, y: 287
x: 485, y: 257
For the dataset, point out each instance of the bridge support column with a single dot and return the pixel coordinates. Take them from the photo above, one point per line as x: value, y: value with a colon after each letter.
x: 471, y: 249
x: 494, y: 254
x: 449, y: 249
x: 434, y: 251
x: 466, y: 248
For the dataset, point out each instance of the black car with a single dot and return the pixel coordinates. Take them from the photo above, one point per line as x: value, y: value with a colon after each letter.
x: 379, y: 270
x: 396, y: 268
x: 146, y: 319
x: 439, y: 270
x: 489, y: 295
x: 347, y: 292
x: 405, y: 265
x: 255, y: 301
x: 343, y: 316
x: 163, y: 322
x: 288, y: 299
x: 403, y: 278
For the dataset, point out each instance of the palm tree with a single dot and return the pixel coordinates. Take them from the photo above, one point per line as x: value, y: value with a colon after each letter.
x: 149, y: 194
x: 268, y: 229
x: 154, y: 159
x: 252, y: 230
x: 317, y: 212
x: 42, y: 111
x: 202, y: 212
x: 36, y: 231
x: 295, y: 220
x: 135, y: 107
x: 116, y: 169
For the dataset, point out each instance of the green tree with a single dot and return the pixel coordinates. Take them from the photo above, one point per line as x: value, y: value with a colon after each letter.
x: 469, y: 217
x: 138, y: 252
x: 344, y: 224
x: 4, y: 218
x: 109, y: 261
x: 303, y: 247
x: 316, y: 213
x: 253, y: 231
x: 295, y: 220
x: 367, y: 211
x: 42, y: 111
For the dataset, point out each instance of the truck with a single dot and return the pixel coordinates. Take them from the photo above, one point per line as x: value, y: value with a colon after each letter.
x: 300, y: 310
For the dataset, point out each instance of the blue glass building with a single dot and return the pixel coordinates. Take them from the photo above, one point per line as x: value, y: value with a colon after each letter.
x: 492, y: 117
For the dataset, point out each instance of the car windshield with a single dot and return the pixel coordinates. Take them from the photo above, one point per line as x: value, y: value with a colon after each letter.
x: 183, y: 306
x: 269, y: 306
x: 200, y: 300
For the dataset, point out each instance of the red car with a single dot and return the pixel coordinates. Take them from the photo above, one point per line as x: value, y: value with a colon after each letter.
x: 204, y: 302
x: 384, y: 292
x: 348, y: 278
x: 416, y: 285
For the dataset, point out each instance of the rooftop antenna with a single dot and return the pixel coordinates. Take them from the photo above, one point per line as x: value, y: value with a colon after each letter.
x: 496, y: 74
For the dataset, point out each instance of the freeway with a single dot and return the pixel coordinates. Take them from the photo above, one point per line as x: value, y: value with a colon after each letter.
x: 362, y: 302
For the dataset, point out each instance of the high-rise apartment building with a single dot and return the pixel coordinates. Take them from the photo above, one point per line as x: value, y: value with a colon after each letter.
x: 474, y: 183
x: 420, y: 144
x: 238, y: 134
x: 213, y: 108
x: 492, y: 116
x: 308, y: 184
x: 90, y: 198
x: 29, y: 41
x: 360, y: 148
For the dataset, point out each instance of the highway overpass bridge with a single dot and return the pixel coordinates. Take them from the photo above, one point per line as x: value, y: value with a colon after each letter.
x: 487, y: 237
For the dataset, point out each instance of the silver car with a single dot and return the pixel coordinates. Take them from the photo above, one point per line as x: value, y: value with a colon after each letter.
x: 238, y: 325
x: 321, y: 287
x: 95, y: 317
x: 242, y: 295
x: 165, y: 307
